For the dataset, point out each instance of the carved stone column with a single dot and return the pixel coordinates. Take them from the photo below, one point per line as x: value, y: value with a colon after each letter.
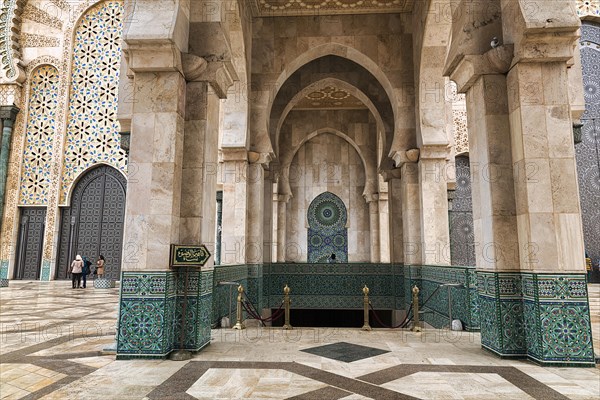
x: 435, y: 233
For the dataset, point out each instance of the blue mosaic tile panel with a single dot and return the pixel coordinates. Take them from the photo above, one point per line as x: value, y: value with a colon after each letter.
x: 557, y: 318
x: 92, y: 125
x: 333, y: 286
x: 222, y: 295
x: 3, y: 269
x: 146, y: 315
x: 198, y: 309
x: 327, y: 232
x: 39, y: 136
x: 501, y: 313
x: 4, y: 282
x: 255, y: 285
x: 465, y: 302
x: 45, y: 275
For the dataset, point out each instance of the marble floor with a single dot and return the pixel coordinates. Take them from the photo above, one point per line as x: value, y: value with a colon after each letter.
x: 54, y: 340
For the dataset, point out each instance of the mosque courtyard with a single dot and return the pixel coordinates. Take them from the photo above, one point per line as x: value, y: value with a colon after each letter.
x: 56, y: 345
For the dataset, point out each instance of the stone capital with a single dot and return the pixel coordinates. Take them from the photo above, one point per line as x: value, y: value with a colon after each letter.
x: 402, y: 157
x: 434, y: 152
x: 9, y: 113
x: 259, y: 158
x: 159, y: 55
x: 234, y: 154
x: 282, y: 198
x: 370, y: 197
x: 468, y: 70
x: 391, y: 174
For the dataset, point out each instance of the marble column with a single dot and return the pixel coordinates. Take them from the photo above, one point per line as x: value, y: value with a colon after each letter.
x: 198, y: 198
x: 8, y: 115
x: 435, y: 234
x: 384, y: 225
x: 494, y: 210
x: 548, y: 214
x: 372, y: 201
x: 234, y: 176
x: 282, y: 200
x: 395, y: 219
x: 411, y: 213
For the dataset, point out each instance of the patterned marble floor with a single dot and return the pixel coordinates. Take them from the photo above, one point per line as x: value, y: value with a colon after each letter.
x: 53, y: 339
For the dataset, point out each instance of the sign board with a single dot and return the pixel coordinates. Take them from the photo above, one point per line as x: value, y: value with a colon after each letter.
x: 188, y: 255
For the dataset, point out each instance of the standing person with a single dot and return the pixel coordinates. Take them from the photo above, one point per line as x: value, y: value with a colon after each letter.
x: 100, y: 268
x: 76, y: 268
x: 86, y: 270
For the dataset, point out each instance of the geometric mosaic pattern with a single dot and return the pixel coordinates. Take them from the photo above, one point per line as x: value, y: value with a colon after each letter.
x: 327, y: 232
x: 150, y: 312
x: 102, y: 283
x: 334, y: 286
x: 92, y: 130
x: 557, y: 318
x: 41, y: 129
x: 542, y: 316
x: 462, y: 238
x: 433, y: 299
x: 587, y: 152
x: 588, y: 7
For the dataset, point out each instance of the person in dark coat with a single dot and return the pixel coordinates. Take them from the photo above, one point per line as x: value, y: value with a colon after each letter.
x: 86, y: 270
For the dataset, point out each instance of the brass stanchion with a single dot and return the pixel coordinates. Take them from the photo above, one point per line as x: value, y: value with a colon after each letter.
x: 415, y: 295
x: 239, y: 323
x: 366, y: 326
x: 286, y: 303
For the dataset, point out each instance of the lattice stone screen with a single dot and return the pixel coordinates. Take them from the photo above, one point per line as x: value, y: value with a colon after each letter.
x: 41, y: 128
x: 92, y: 131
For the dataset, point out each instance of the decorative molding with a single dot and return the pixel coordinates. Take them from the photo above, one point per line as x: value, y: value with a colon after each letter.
x: 10, y: 26
x: 331, y: 98
x: 35, y: 40
x: 288, y: 8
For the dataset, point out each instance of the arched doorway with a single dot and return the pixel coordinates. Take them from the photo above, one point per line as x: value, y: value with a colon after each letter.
x: 327, y: 232
x: 29, y: 245
x: 93, y: 224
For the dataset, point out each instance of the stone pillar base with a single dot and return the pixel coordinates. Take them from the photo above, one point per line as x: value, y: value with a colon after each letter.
x: 103, y: 283
x: 4, y: 282
x: 150, y: 313
x: 544, y: 317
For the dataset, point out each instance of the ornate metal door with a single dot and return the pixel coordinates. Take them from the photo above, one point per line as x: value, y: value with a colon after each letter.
x: 93, y: 225
x: 30, y: 242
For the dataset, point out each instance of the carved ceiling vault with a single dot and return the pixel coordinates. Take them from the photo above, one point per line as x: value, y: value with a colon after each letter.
x: 330, y: 98
x: 270, y: 8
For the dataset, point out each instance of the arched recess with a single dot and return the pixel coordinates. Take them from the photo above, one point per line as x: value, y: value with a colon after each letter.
x: 369, y: 167
x: 262, y: 121
x: 353, y: 90
x: 327, y: 233
x: 93, y: 222
x: 343, y: 69
x: 335, y: 49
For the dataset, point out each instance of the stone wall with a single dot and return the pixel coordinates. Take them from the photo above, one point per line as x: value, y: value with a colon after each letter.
x: 328, y: 163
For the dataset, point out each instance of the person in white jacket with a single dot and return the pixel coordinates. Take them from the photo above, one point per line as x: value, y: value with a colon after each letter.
x: 76, y: 269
